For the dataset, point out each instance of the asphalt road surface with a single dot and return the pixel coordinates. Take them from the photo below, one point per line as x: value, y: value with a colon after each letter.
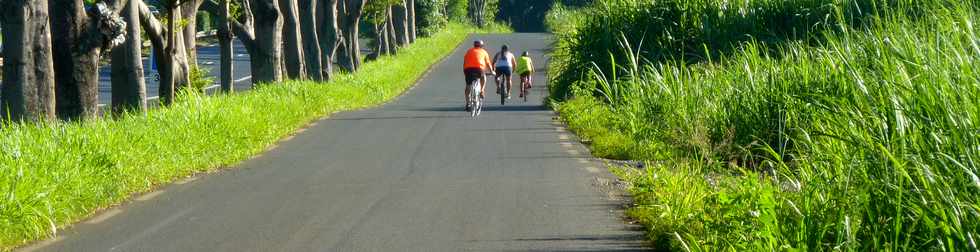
x: 417, y: 174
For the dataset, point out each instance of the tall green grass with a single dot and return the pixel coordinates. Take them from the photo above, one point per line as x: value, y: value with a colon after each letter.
x: 699, y: 30
x: 859, y: 132
x: 54, y: 174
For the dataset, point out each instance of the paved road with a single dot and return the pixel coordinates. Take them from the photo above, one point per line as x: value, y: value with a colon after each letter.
x: 416, y: 174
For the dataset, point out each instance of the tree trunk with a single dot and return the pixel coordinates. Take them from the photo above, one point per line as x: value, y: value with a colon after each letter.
x: 267, y: 56
x: 292, y: 40
x: 168, y: 88
x: 410, y: 4
x: 128, y: 85
x: 400, y: 22
x: 381, y: 39
x: 344, y: 58
x: 351, y: 33
x: 172, y: 62
x: 28, y: 84
x: 178, y: 66
x: 392, y: 38
x: 265, y: 52
x: 188, y: 14
x: 227, y: 52
x: 482, y: 7
x: 311, y: 42
x: 471, y: 10
x: 76, y: 51
x: 327, y: 34
x: 476, y: 12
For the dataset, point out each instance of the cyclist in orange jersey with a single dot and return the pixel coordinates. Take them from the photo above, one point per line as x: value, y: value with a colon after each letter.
x: 475, y: 64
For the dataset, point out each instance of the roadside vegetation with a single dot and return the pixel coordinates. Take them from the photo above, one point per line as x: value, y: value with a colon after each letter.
x: 52, y: 174
x: 768, y: 125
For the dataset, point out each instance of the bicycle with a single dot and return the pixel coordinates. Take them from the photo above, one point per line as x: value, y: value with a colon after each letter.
x: 525, y: 87
x: 502, y: 87
x: 475, y: 103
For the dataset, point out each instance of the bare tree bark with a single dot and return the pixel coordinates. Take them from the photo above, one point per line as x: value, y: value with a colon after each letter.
x: 174, y: 71
x: 75, y: 92
x: 400, y: 22
x: 352, y: 12
x: 412, y: 35
x: 311, y: 42
x: 224, y: 40
x: 188, y: 14
x: 476, y: 10
x: 82, y: 36
x: 381, y: 39
x: 269, y: 45
x: 128, y: 85
x: 168, y: 89
x: 28, y: 84
x: 293, y: 54
x: 392, y: 38
x: 344, y: 59
x: 265, y: 52
x: 328, y: 34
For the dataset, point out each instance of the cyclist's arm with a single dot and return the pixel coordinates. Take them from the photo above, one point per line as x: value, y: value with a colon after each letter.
x: 490, y: 64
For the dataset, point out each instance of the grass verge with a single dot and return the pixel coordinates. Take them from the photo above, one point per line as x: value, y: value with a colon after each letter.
x: 767, y: 125
x: 55, y: 174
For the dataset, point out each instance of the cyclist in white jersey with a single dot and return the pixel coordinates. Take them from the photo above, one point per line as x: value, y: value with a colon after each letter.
x: 504, y: 61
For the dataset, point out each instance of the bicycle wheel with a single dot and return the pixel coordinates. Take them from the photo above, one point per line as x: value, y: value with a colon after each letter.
x: 479, y: 106
x: 473, y: 111
x: 474, y: 98
x: 503, y: 92
x: 524, y: 90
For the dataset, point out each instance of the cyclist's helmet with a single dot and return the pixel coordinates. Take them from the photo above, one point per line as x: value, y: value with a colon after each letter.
x: 526, y: 54
x: 478, y: 43
x: 505, y: 48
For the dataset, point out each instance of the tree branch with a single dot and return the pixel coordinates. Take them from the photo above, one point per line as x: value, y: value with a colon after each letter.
x: 154, y: 29
x: 244, y: 34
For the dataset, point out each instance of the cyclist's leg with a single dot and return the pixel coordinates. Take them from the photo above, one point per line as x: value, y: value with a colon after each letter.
x: 496, y: 80
x: 524, y: 83
x: 466, y: 78
x: 483, y: 85
x: 470, y: 75
x: 510, y: 84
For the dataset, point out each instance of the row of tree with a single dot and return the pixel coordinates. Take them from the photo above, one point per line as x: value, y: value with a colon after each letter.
x: 47, y: 77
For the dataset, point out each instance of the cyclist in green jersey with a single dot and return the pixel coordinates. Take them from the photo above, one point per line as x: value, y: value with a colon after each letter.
x: 525, y: 67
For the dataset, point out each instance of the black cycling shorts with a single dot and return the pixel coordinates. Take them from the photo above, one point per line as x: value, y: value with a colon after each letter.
x: 472, y: 74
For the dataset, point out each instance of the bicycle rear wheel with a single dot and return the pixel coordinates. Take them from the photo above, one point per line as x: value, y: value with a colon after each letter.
x: 524, y: 90
x: 479, y: 107
x: 474, y: 98
x: 503, y: 93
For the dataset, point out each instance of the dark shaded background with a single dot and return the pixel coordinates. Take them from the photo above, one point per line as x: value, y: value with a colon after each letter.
x: 528, y: 15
